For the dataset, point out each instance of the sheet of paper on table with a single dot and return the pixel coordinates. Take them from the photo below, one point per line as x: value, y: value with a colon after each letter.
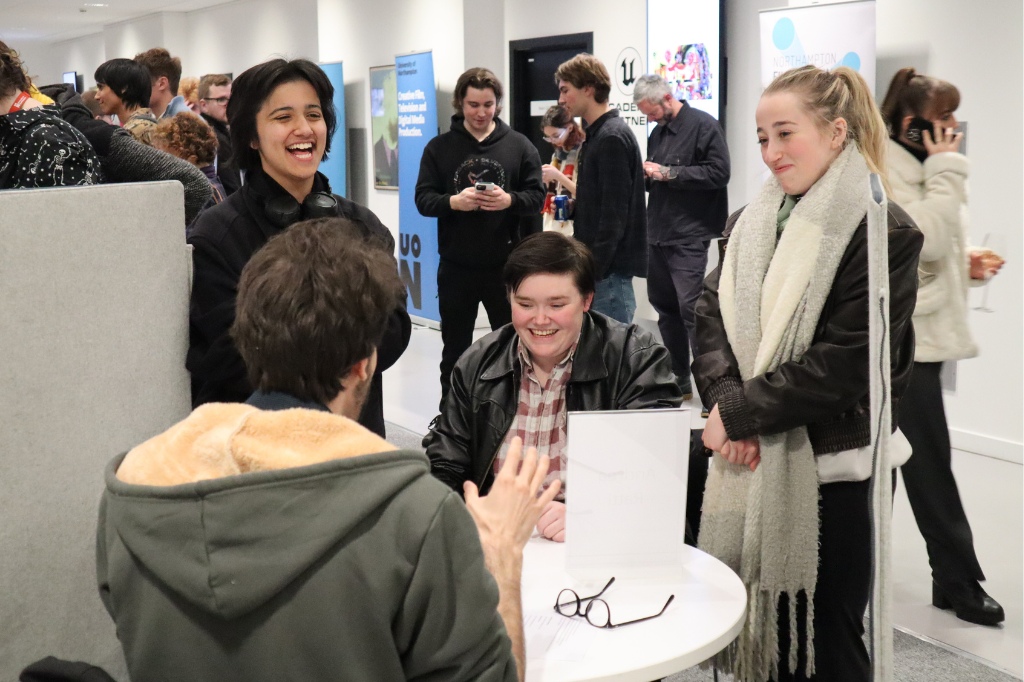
x: 626, y: 492
x: 554, y: 637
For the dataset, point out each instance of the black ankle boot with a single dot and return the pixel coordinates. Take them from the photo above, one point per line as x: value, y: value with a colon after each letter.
x: 969, y: 602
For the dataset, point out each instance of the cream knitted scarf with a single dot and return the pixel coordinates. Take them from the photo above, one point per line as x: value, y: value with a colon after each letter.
x: 764, y: 524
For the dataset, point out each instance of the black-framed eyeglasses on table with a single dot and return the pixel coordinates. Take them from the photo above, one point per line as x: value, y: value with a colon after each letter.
x: 597, y: 612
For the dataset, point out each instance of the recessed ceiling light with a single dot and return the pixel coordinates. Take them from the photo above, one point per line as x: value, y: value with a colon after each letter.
x: 95, y: 4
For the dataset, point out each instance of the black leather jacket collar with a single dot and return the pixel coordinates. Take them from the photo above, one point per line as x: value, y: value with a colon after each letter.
x: 827, y: 389
x: 586, y: 365
x: 616, y: 367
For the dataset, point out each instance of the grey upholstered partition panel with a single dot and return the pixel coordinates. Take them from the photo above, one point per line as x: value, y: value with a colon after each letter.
x: 93, y: 333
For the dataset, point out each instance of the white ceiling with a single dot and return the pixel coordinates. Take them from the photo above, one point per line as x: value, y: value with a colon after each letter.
x: 49, y: 21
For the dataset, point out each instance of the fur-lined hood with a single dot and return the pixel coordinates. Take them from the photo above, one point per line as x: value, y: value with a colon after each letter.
x: 231, y: 505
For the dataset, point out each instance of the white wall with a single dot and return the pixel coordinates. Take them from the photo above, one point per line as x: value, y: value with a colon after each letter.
x: 363, y: 34
x: 951, y: 40
x: 225, y: 38
x: 47, y: 63
x: 129, y: 38
x: 230, y: 38
x: 932, y: 35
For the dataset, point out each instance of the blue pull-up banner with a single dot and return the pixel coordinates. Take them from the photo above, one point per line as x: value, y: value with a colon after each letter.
x: 334, y: 167
x: 417, y: 125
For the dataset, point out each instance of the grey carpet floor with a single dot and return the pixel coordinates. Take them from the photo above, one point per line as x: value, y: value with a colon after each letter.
x: 915, y: 660
x: 401, y: 437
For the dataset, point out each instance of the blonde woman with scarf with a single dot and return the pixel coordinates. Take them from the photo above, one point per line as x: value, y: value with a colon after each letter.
x: 782, y: 339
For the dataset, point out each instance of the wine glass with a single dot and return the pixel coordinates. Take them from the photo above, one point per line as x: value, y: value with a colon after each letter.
x: 997, y: 244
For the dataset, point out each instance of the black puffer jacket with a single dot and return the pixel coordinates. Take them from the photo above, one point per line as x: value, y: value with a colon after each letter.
x: 827, y: 389
x: 616, y: 367
x: 224, y: 238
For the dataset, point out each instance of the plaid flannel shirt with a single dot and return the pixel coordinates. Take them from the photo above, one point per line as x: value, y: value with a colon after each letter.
x: 541, y: 416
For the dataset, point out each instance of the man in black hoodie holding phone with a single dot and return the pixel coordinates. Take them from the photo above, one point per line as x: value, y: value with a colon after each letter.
x: 481, y: 180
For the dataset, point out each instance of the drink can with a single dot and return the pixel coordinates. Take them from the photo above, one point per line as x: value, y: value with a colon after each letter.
x: 561, y: 207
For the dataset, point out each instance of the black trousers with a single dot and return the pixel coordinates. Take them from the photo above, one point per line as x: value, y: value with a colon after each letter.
x: 460, y: 291
x: 700, y: 459
x: 842, y: 593
x: 675, y: 280
x: 931, y: 488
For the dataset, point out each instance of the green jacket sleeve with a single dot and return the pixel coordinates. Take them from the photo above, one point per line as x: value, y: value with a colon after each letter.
x: 449, y: 628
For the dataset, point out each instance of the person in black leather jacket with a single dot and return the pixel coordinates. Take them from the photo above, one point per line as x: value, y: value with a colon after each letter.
x: 613, y: 366
x: 783, y: 361
x: 282, y: 118
x: 828, y: 390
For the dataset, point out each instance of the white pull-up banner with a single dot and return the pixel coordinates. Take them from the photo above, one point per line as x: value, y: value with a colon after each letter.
x: 826, y: 35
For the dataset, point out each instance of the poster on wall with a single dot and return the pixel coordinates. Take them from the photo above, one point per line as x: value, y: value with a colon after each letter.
x: 334, y: 167
x: 384, y: 126
x: 684, y: 46
x: 827, y: 36
x: 627, y: 67
x: 417, y: 239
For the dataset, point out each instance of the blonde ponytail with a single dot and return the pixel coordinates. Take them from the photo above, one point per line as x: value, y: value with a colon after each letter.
x: 841, y: 93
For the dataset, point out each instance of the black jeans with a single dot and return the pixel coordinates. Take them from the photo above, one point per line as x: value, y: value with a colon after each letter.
x: 931, y: 488
x: 460, y: 291
x: 842, y: 593
x: 675, y: 280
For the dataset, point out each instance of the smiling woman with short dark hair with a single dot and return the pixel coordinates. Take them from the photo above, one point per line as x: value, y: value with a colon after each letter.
x: 282, y: 120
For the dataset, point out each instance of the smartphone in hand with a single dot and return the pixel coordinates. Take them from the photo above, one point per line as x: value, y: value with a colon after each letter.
x: 916, y: 128
x: 484, y: 186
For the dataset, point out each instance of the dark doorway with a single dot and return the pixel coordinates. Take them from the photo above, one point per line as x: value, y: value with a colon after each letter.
x: 533, y: 64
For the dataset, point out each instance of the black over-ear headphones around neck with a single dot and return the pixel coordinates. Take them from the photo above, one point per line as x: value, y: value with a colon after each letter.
x: 283, y: 211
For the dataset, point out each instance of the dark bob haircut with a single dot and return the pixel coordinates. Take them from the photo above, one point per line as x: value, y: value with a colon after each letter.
x: 128, y: 79
x: 550, y: 253
x: 252, y: 88
x: 313, y: 302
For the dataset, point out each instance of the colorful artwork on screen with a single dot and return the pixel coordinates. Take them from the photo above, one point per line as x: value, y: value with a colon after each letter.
x: 687, y: 69
x: 684, y: 46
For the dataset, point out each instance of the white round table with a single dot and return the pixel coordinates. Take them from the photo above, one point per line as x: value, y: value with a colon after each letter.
x: 706, y: 615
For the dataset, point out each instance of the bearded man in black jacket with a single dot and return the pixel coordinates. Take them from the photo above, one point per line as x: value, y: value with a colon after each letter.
x: 476, y: 228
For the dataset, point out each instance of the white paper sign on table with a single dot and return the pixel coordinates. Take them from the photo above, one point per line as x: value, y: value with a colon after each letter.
x: 626, y: 492
x: 554, y: 637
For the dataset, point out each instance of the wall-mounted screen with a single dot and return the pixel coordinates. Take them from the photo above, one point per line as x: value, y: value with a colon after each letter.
x: 72, y: 78
x: 684, y: 46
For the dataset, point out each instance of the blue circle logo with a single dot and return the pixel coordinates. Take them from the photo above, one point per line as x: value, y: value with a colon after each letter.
x: 852, y: 60
x: 783, y: 33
